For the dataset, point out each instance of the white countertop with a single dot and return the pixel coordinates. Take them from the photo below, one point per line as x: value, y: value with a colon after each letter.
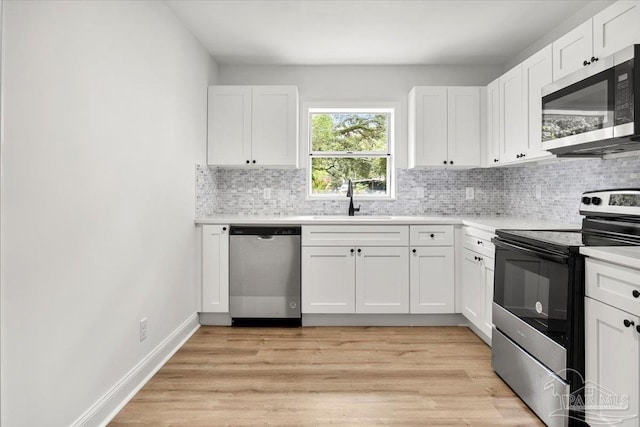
x: 628, y: 256
x: 486, y: 223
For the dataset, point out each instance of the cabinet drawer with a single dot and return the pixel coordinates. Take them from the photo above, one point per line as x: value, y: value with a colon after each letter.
x: 358, y: 235
x: 479, y: 241
x: 613, y: 284
x: 431, y: 235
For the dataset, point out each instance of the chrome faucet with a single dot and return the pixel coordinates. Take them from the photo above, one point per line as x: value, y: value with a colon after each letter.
x: 352, y: 210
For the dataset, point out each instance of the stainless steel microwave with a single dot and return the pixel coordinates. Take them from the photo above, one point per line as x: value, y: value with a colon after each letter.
x: 596, y: 110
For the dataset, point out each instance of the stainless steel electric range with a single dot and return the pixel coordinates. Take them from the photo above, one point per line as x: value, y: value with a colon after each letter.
x: 538, y: 306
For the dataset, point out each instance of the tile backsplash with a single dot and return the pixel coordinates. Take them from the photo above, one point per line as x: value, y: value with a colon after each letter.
x: 241, y: 191
x: 498, y: 191
x: 563, y: 183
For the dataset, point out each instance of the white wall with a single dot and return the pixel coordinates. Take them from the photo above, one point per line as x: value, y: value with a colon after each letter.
x: 105, y: 117
x: 360, y: 84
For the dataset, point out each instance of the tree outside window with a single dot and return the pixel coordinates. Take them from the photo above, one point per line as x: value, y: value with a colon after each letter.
x: 350, y: 144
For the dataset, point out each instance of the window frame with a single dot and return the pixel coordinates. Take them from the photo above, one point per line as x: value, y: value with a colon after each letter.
x: 370, y: 107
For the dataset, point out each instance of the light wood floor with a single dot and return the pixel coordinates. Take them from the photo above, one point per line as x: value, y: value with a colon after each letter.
x: 331, y: 375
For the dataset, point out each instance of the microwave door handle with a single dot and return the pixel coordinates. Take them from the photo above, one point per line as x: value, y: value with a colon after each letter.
x: 531, y: 252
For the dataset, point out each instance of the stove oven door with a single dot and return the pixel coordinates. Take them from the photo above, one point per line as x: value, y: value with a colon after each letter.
x: 531, y: 301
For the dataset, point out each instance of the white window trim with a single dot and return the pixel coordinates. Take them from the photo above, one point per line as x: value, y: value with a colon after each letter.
x: 360, y: 107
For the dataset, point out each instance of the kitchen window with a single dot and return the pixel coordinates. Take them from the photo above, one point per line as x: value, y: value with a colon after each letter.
x: 350, y: 144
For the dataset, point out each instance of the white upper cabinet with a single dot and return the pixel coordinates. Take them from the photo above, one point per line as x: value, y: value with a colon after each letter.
x: 428, y: 126
x: 253, y: 126
x: 616, y: 27
x: 275, y: 125
x: 536, y: 73
x: 464, y: 130
x: 229, y: 133
x: 513, y: 134
x: 492, y: 153
x: 444, y: 126
x: 611, y: 30
x: 571, y: 51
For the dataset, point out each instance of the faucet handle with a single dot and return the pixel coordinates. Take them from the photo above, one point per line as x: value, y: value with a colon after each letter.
x: 357, y: 209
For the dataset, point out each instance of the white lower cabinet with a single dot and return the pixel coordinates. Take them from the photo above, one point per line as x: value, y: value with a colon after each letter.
x: 432, y: 280
x: 355, y: 269
x: 328, y: 279
x: 477, y: 279
x: 612, y: 365
x: 215, y: 269
x: 382, y: 278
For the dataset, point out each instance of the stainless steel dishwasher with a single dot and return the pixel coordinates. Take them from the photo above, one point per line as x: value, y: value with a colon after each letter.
x: 264, y: 276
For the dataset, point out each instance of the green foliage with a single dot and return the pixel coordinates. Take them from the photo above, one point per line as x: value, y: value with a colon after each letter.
x: 349, y: 133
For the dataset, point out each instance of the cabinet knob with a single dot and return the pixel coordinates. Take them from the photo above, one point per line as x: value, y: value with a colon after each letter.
x: 248, y: 162
x: 352, y: 250
x: 359, y: 250
x: 254, y: 162
x: 638, y: 328
x: 224, y: 228
x: 594, y: 59
x: 414, y: 251
x: 495, y: 160
x: 628, y: 323
x: 445, y: 162
x: 432, y: 235
x: 451, y: 162
x: 479, y: 242
x: 635, y: 293
x: 585, y: 63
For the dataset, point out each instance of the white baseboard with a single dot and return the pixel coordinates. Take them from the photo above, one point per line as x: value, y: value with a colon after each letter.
x: 383, y: 320
x: 108, y: 406
x: 215, y: 319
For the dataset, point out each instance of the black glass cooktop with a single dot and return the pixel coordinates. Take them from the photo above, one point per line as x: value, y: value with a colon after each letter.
x: 558, y: 240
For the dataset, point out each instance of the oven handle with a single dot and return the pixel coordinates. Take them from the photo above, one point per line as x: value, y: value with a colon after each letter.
x: 559, y: 259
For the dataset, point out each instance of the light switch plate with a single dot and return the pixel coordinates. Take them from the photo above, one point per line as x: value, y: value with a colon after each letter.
x: 470, y: 193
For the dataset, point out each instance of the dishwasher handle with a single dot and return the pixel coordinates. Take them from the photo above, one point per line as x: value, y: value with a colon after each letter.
x: 265, y: 237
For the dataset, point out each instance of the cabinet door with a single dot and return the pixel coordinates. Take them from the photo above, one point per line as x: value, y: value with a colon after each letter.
x: 464, y: 133
x: 513, y: 136
x: 487, y: 267
x: 328, y: 280
x: 275, y: 126
x: 571, y: 50
x: 432, y: 280
x: 493, y: 124
x: 430, y: 140
x: 472, y: 307
x: 382, y: 280
x: 536, y: 73
x: 229, y: 133
x: 612, y: 364
x: 616, y: 27
x: 215, y: 269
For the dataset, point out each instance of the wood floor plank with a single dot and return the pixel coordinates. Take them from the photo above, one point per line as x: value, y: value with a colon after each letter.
x: 360, y: 376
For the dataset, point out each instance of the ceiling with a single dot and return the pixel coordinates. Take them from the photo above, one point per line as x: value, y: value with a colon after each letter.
x: 381, y: 32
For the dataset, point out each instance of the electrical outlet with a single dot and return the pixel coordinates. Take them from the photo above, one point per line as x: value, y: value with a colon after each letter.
x: 470, y: 193
x: 538, y: 191
x: 267, y: 193
x: 420, y: 193
x: 143, y: 329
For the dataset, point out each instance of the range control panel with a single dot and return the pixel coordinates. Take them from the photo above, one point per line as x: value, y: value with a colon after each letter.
x: 615, y: 202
